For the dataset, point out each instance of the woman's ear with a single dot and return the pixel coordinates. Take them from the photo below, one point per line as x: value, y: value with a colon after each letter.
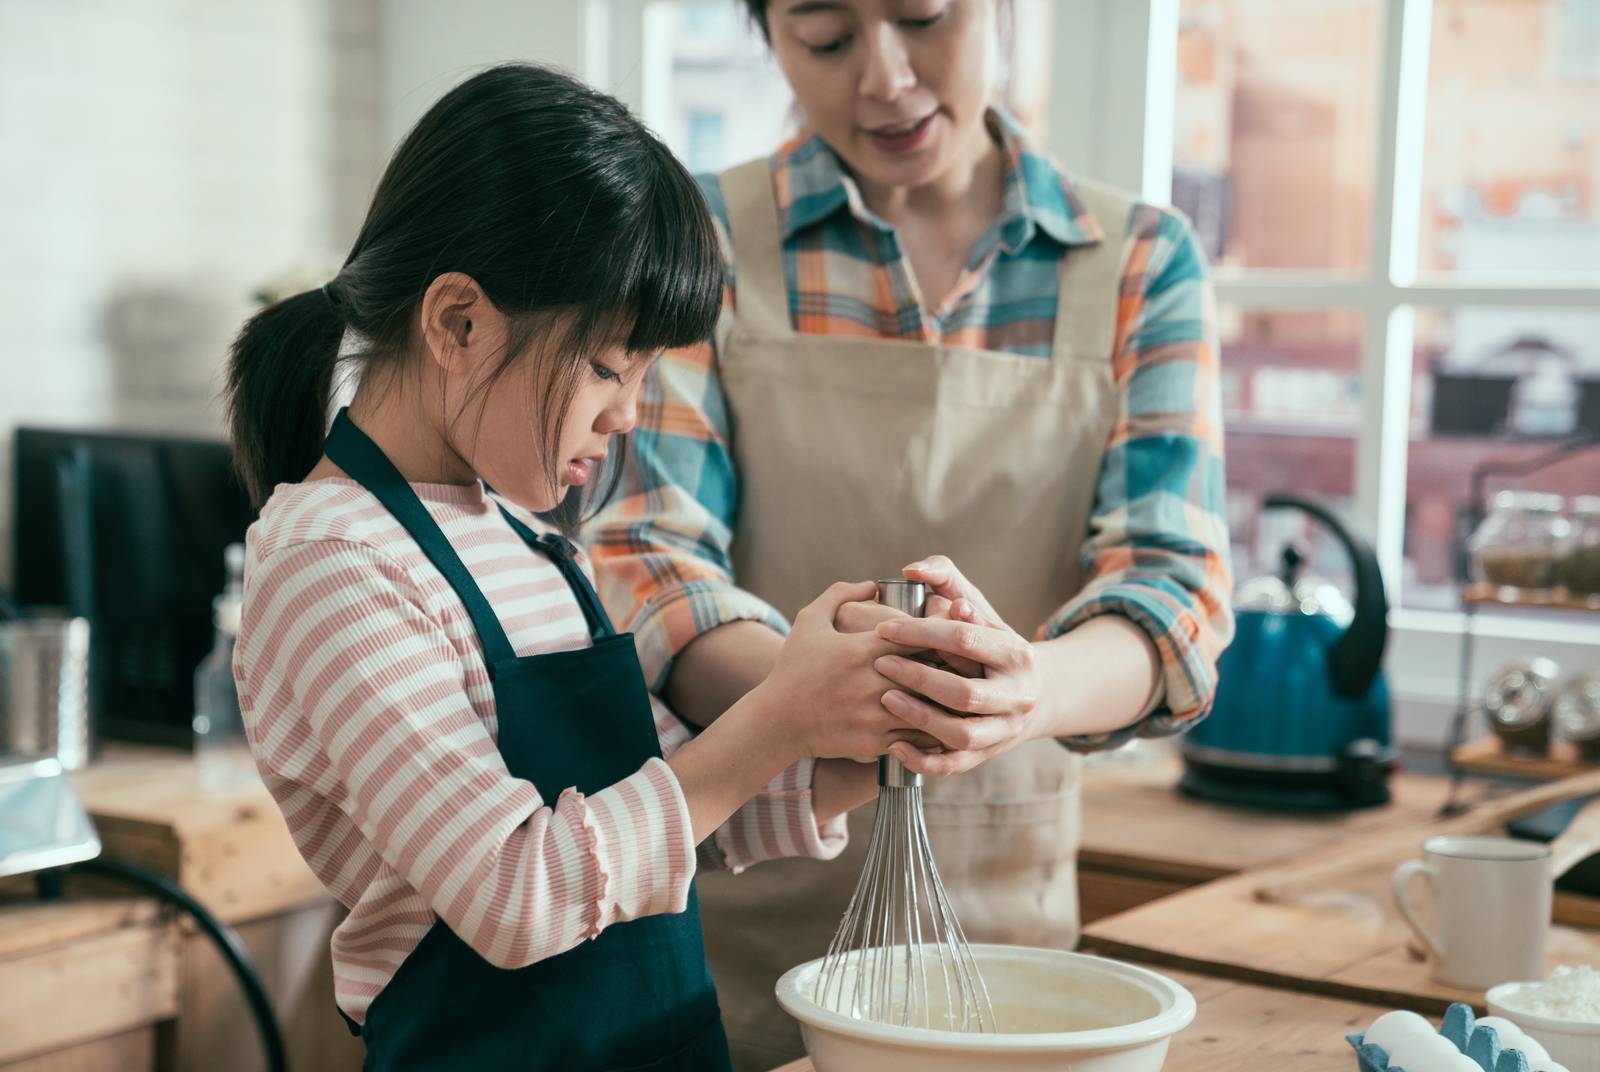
x: 454, y: 314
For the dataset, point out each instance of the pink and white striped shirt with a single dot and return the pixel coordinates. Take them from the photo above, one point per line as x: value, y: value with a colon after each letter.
x: 371, y: 716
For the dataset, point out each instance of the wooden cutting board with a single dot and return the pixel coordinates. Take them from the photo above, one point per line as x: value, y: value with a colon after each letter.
x: 1342, y: 938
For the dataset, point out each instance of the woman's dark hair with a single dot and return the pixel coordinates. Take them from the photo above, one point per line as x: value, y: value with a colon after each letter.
x: 758, y: 15
x: 578, y: 224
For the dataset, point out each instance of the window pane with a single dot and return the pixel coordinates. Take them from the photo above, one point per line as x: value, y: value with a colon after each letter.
x: 1276, y: 126
x: 1511, y: 179
x: 1291, y: 390
x: 1491, y: 385
x: 728, y: 100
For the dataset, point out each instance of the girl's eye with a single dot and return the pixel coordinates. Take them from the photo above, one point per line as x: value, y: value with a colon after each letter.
x: 604, y: 373
x: 922, y: 24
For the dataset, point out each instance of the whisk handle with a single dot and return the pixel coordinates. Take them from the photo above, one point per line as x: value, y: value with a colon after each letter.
x: 910, y: 597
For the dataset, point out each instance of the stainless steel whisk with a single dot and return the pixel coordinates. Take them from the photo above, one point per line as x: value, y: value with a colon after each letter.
x: 899, y: 955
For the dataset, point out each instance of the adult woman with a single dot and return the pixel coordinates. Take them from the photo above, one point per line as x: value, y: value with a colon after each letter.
x: 933, y: 340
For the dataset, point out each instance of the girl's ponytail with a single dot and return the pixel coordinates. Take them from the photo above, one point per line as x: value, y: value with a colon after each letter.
x: 280, y: 381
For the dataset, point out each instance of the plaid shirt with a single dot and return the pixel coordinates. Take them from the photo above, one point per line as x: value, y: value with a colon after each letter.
x: 1156, y: 549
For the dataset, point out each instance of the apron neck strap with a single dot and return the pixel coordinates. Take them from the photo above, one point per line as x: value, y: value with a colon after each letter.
x: 1091, y: 280
x: 560, y: 551
x: 353, y: 451
x: 762, y: 306
x: 1091, y: 275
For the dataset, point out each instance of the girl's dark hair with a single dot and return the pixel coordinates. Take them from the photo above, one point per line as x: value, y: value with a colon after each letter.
x: 575, y: 220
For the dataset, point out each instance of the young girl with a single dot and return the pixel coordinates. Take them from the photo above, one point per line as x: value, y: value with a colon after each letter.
x: 464, y: 748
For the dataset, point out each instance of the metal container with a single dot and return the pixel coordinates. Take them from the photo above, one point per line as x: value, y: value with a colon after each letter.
x: 44, y: 689
x: 1517, y: 701
x: 1576, y: 714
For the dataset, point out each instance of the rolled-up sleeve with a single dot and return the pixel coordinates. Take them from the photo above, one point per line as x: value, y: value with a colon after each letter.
x: 1157, y: 548
x: 662, y: 546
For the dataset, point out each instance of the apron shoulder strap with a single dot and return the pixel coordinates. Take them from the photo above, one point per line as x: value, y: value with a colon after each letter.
x: 365, y: 462
x: 1091, y: 278
x: 761, y: 292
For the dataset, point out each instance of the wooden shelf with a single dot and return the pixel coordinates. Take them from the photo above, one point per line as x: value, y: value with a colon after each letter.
x: 1484, y: 594
x: 1487, y: 756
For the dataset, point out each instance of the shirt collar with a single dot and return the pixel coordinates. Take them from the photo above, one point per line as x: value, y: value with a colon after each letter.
x: 813, y: 185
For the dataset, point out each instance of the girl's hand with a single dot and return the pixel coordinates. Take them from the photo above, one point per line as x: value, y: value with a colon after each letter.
x: 824, y: 689
x: 864, y: 617
x: 975, y: 717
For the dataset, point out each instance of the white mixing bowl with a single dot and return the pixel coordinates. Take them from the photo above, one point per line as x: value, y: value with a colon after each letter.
x: 1058, y: 1012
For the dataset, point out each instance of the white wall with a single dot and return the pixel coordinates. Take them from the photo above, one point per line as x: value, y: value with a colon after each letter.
x: 159, y: 159
x: 427, y: 46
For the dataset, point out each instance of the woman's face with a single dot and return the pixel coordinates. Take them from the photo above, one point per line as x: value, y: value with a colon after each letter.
x: 897, y: 88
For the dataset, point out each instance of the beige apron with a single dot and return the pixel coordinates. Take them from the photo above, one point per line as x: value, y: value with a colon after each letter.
x: 857, y: 456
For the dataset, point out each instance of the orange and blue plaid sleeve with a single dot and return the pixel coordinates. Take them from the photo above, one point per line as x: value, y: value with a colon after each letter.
x: 1157, y: 549
x: 662, y: 546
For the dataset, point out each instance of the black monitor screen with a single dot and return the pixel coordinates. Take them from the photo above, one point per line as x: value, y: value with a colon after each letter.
x: 128, y: 531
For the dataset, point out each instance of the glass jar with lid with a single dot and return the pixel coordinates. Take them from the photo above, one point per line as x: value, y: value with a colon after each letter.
x: 1578, y: 565
x: 1517, y: 546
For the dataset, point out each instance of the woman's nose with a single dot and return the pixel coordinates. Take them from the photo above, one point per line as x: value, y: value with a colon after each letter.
x: 888, y: 71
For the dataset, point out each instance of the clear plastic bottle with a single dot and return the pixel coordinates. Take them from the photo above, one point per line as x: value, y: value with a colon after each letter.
x: 221, y: 751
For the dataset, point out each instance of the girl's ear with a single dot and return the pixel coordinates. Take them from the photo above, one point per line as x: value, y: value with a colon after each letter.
x: 453, y: 314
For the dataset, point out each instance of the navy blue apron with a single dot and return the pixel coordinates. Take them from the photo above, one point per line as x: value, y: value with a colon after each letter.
x: 638, y: 998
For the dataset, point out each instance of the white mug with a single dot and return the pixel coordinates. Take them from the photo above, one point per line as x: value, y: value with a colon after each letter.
x: 1491, y: 908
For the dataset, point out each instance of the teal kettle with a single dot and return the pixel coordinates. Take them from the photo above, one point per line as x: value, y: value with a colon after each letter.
x: 1301, y: 718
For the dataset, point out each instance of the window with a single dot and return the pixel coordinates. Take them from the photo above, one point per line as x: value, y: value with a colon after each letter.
x: 1402, y: 201
x: 1275, y: 122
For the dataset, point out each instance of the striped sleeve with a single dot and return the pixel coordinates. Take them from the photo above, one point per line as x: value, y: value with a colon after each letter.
x: 367, y: 680
x: 1157, y: 550
x: 778, y: 822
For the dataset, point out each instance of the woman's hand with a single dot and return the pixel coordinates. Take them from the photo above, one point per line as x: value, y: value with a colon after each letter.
x: 825, y: 690
x: 975, y: 717
x: 865, y: 617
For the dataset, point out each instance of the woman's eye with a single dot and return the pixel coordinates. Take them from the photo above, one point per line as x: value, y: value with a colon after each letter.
x: 606, y: 374
x: 831, y: 47
x: 921, y: 24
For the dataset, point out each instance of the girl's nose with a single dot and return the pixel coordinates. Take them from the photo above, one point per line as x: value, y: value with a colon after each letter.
x: 888, y: 72
x: 620, y: 417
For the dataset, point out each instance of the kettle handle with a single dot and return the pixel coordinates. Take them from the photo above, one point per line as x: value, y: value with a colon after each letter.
x: 1358, y: 654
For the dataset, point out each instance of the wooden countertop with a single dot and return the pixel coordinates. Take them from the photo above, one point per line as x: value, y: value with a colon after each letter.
x: 1243, y: 1028
x: 229, y: 848
x: 1134, y: 819
x: 79, y: 970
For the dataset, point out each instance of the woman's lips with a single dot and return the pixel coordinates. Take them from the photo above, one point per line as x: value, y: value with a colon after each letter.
x: 898, y: 138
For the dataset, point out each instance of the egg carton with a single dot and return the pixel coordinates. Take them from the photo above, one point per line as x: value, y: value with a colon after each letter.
x: 1482, y: 1044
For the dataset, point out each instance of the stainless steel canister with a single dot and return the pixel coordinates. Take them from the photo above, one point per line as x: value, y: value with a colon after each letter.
x: 44, y: 689
x: 1517, y: 701
x: 1576, y: 714
x: 910, y: 597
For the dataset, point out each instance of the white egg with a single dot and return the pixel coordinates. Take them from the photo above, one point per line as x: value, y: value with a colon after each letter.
x: 1534, y: 1051
x: 1549, y: 1066
x: 1415, y: 1053
x: 1390, y: 1028
x: 1451, y: 1062
x: 1513, y: 1037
